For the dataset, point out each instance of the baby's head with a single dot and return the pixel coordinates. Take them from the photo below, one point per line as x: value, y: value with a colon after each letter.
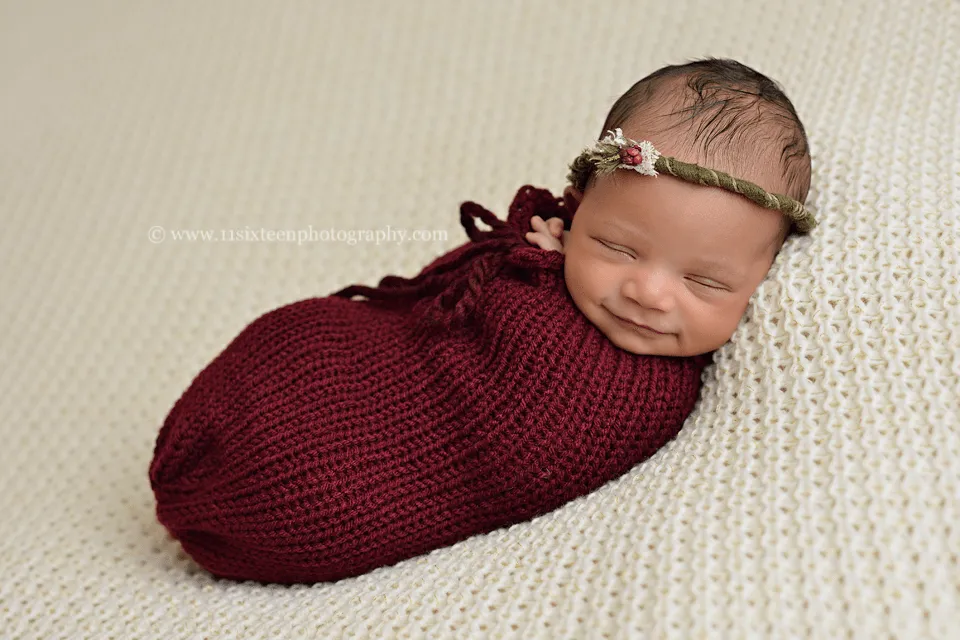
x: 665, y: 252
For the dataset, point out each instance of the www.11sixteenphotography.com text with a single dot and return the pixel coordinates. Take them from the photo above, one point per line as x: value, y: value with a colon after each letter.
x: 383, y: 235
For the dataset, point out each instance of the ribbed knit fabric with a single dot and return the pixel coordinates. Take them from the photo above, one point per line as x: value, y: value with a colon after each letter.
x: 334, y: 436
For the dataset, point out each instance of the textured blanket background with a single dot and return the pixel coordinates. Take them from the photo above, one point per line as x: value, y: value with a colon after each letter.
x: 814, y: 493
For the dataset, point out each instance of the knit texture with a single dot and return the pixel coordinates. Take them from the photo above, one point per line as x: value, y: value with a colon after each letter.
x: 814, y: 492
x: 332, y: 436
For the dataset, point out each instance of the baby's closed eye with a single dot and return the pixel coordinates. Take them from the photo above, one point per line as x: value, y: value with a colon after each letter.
x: 699, y: 280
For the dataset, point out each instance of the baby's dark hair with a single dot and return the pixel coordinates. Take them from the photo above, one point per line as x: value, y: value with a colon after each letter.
x: 726, y: 102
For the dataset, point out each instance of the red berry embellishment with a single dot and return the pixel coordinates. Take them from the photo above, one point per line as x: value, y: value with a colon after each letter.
x: 631, y: 156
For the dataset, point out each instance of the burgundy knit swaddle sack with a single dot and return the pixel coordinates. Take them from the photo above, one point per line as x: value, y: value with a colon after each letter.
x: 333, y: 436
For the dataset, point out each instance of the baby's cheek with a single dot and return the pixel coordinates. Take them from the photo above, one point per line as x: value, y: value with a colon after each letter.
x: 580, y: 279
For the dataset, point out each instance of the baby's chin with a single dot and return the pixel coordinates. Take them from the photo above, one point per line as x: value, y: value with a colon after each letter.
x: 632, y: 346
x: 641, y: 344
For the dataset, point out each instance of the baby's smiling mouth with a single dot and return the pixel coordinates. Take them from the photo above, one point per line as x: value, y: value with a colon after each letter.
x: 638, y: 327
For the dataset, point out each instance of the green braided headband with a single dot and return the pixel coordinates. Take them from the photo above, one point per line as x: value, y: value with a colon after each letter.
x: 616, y: 152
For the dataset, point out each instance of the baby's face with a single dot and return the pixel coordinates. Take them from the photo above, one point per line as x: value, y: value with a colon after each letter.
x: 640, y: 249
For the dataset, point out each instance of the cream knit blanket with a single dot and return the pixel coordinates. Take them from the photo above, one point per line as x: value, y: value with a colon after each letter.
x: 814, y: 493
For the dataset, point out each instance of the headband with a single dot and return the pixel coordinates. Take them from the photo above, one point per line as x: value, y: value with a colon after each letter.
x: 616, y: 152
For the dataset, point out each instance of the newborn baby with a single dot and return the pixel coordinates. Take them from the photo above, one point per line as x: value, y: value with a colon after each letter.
x: 661, y: 265
x: 512, y: 375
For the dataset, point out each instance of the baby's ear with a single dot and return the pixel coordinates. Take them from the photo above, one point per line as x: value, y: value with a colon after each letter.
x: 571, y: 198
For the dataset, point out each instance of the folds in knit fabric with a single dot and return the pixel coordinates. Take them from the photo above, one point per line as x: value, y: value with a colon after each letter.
x: 336, y: 435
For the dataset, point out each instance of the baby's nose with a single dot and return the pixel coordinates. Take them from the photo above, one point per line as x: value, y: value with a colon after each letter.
x: 647, y: 287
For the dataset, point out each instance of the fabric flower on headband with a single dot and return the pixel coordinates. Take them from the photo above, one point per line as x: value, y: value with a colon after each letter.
x: 621, y: 152
x: 614, y: 151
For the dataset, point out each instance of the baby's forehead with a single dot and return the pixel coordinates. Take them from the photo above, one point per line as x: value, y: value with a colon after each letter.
x: 703, y: 220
